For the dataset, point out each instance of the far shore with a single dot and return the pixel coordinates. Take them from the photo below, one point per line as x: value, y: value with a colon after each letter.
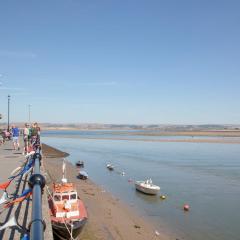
x: 175, y: 130
x: 224, y: 137
x: 155, y: 132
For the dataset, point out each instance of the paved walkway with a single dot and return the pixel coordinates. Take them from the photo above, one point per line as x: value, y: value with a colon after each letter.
x: 10, y: 160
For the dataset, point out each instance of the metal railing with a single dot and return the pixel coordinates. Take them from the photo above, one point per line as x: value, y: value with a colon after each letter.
x: 37, y: 183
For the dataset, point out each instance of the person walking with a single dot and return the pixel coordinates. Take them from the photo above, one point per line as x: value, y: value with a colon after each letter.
x: 1, y: 139
x: 26, y: 134
x: 15, y: 137
x: 35, y: 134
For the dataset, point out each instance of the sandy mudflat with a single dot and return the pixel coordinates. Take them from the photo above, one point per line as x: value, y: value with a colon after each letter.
x: 223, y: 137
x: 226, y: 140
x: 109, y: 218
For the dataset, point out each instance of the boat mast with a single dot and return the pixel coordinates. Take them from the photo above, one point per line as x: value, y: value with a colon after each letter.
x: 64, y: 179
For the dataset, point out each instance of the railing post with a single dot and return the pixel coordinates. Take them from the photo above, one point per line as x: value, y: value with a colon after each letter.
x: 37, y: 183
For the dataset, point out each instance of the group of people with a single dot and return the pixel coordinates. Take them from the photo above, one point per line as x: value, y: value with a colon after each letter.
x: 31, y: 136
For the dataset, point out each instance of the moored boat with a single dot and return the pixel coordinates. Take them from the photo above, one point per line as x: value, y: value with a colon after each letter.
x: 82, y: 175
x: 67, y: 211
x: 80, y: 163
x: 147, y: 187
x: 110, y: 167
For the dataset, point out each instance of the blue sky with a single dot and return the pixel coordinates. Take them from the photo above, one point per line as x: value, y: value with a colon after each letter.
x: 133, y: 61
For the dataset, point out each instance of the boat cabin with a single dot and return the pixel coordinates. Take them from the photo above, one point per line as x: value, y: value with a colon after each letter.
x: 65, y: 200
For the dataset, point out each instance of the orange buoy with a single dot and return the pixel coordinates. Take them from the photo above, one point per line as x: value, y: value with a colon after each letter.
x: 186, y: 207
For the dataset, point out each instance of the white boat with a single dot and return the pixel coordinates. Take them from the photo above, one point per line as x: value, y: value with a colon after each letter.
x: 110, y: 167
x: 147, y: 187
x: 80, y: 163
x: 82, y: 175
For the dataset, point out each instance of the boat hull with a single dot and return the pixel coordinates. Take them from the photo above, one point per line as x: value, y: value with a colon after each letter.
x: 110, y: 167
x: 61, y: 232
x: 147, y: 190
x: 80, y: 164
x: 59, y: 223
x: 83, y: 176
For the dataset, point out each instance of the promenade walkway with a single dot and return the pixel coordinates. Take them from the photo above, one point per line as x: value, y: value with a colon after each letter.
x: 9, y: 160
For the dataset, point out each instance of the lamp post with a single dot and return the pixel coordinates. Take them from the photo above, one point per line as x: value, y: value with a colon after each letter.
x: 8, y: 111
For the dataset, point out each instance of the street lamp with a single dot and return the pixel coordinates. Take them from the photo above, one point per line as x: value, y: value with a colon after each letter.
x: 8, y: 111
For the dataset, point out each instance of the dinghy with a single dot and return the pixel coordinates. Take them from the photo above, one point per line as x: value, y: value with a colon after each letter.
x: 110, y: 167
x: 82, y: 175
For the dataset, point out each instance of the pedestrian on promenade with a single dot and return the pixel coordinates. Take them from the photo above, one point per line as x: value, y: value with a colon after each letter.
x: 1, y: 139
x: 15, y: 137
x: 6, y: 135
x: 35, y: 134
x: 26, y: 134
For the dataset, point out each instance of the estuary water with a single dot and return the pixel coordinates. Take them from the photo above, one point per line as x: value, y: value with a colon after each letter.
x: 204, y: 175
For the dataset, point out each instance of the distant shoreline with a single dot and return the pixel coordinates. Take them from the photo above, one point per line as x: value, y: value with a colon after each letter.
x: 226, y: 137
x: 196, y: 140
x: 157, y: 132
x: 159, y: 128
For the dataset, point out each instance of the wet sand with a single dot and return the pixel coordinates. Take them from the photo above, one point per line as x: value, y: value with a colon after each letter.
x: 108, y: 217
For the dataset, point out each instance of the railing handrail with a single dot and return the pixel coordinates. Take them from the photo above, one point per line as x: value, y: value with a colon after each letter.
x: 37, y: 183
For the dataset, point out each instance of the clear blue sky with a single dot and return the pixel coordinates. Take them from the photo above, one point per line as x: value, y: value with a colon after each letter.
x: 129, y: 61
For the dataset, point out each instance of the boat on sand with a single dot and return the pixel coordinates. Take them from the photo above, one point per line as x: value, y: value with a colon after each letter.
x: 82, y: 175
x: 80, y: 163
x: 67, y: 211
x: 147, y: 187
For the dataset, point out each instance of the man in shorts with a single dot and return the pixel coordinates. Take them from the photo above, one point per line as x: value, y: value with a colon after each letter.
x: 26, y: 134
x: 15, y: 137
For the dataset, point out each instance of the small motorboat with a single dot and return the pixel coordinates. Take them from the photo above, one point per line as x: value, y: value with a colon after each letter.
x: 110, y: 167
x: 147, y: 187
x: 82, y: 175
x: 67, y: 212
x: 80, y: 163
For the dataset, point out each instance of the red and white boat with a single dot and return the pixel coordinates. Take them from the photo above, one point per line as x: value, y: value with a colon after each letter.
x: 67, y: 211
